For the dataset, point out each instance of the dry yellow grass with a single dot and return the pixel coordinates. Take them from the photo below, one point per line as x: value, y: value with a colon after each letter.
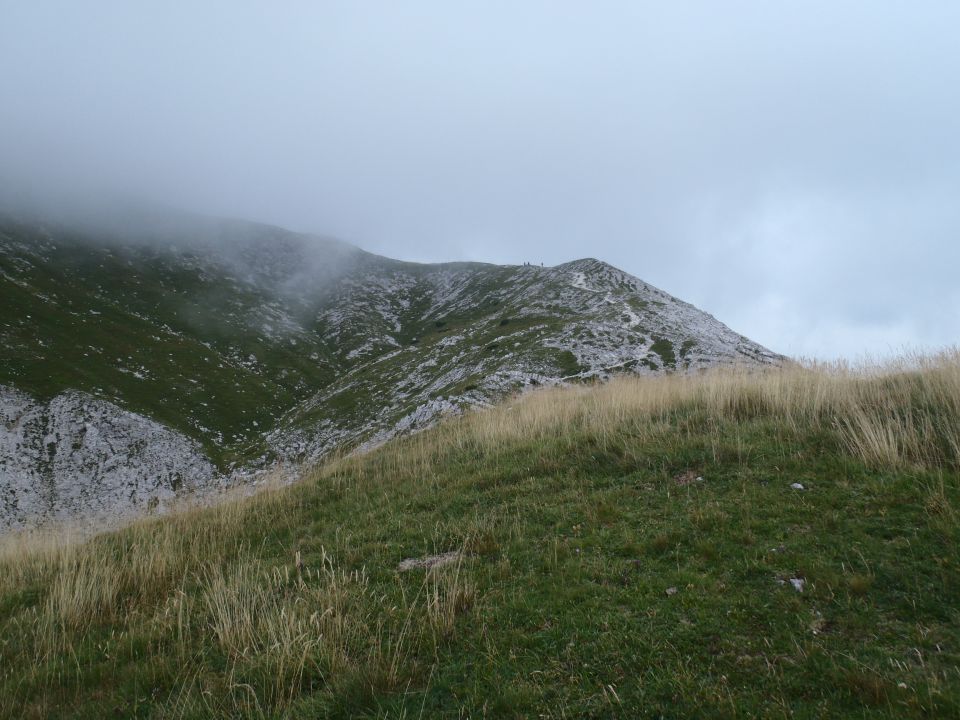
x: 892, y: 414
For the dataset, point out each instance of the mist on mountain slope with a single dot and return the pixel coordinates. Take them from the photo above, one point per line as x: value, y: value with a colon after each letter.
x: 791, y: 168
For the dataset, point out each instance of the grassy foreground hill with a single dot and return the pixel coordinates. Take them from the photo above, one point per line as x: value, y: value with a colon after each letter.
x: 630, y: 549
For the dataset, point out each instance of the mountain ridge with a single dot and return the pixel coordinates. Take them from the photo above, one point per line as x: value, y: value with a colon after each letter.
x: 261, y: 345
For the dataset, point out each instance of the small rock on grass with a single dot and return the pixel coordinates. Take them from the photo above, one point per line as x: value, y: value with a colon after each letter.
x: 797, y: 583
x: 671, y: 591
x: 429, y: 561
x: 797, y: 486
x: 688, y: 477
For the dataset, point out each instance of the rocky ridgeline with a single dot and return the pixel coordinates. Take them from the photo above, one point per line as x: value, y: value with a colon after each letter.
x: 143, y: 366
x: 495, y: 330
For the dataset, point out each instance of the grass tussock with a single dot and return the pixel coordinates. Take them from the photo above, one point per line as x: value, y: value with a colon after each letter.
x: 633, y: 544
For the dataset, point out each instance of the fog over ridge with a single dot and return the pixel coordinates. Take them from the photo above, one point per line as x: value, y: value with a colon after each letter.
x: 792, y: 169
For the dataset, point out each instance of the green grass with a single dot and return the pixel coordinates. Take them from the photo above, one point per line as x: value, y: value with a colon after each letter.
x: 576, y: 511
x: 664, y: 348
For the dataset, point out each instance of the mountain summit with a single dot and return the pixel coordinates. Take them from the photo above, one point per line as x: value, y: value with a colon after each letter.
x: 157, y: 356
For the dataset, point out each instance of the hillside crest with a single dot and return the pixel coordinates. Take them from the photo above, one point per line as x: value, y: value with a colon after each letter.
x: 254, y: 345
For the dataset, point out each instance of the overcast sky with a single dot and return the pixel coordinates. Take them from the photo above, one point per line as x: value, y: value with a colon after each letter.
x: 792, y: 167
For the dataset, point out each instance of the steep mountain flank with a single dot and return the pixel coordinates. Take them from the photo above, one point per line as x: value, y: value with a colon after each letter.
x: 80, y: 456
x: 243, y: 344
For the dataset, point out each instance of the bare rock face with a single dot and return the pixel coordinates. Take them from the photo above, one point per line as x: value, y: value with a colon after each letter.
x: 80, y: 457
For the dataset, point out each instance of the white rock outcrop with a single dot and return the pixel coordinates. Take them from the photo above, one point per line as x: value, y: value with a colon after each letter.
x: 77, y: 457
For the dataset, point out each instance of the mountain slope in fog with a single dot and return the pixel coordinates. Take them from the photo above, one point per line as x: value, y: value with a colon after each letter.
x: 252, y: 344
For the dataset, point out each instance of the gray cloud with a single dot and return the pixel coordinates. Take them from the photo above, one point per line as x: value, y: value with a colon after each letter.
x: 790, y: 167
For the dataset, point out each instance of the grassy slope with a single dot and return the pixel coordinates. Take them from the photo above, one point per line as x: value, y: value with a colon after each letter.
x: 575, y: 516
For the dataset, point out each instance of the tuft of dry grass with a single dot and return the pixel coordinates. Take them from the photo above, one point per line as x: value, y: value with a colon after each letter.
x: 289, y: 621
x: 449, y: 593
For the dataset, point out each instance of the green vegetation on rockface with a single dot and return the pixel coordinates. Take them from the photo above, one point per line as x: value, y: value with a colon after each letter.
x: 632, y: 549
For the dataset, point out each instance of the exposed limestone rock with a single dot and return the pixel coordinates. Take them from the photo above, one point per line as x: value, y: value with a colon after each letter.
x: 78, y: 457
x: 429, y: 562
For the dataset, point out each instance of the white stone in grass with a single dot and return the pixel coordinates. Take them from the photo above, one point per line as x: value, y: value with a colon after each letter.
x: 671, y: 591
x: 798, y: 584
x: 429, y: 561
x: 797, y: 486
